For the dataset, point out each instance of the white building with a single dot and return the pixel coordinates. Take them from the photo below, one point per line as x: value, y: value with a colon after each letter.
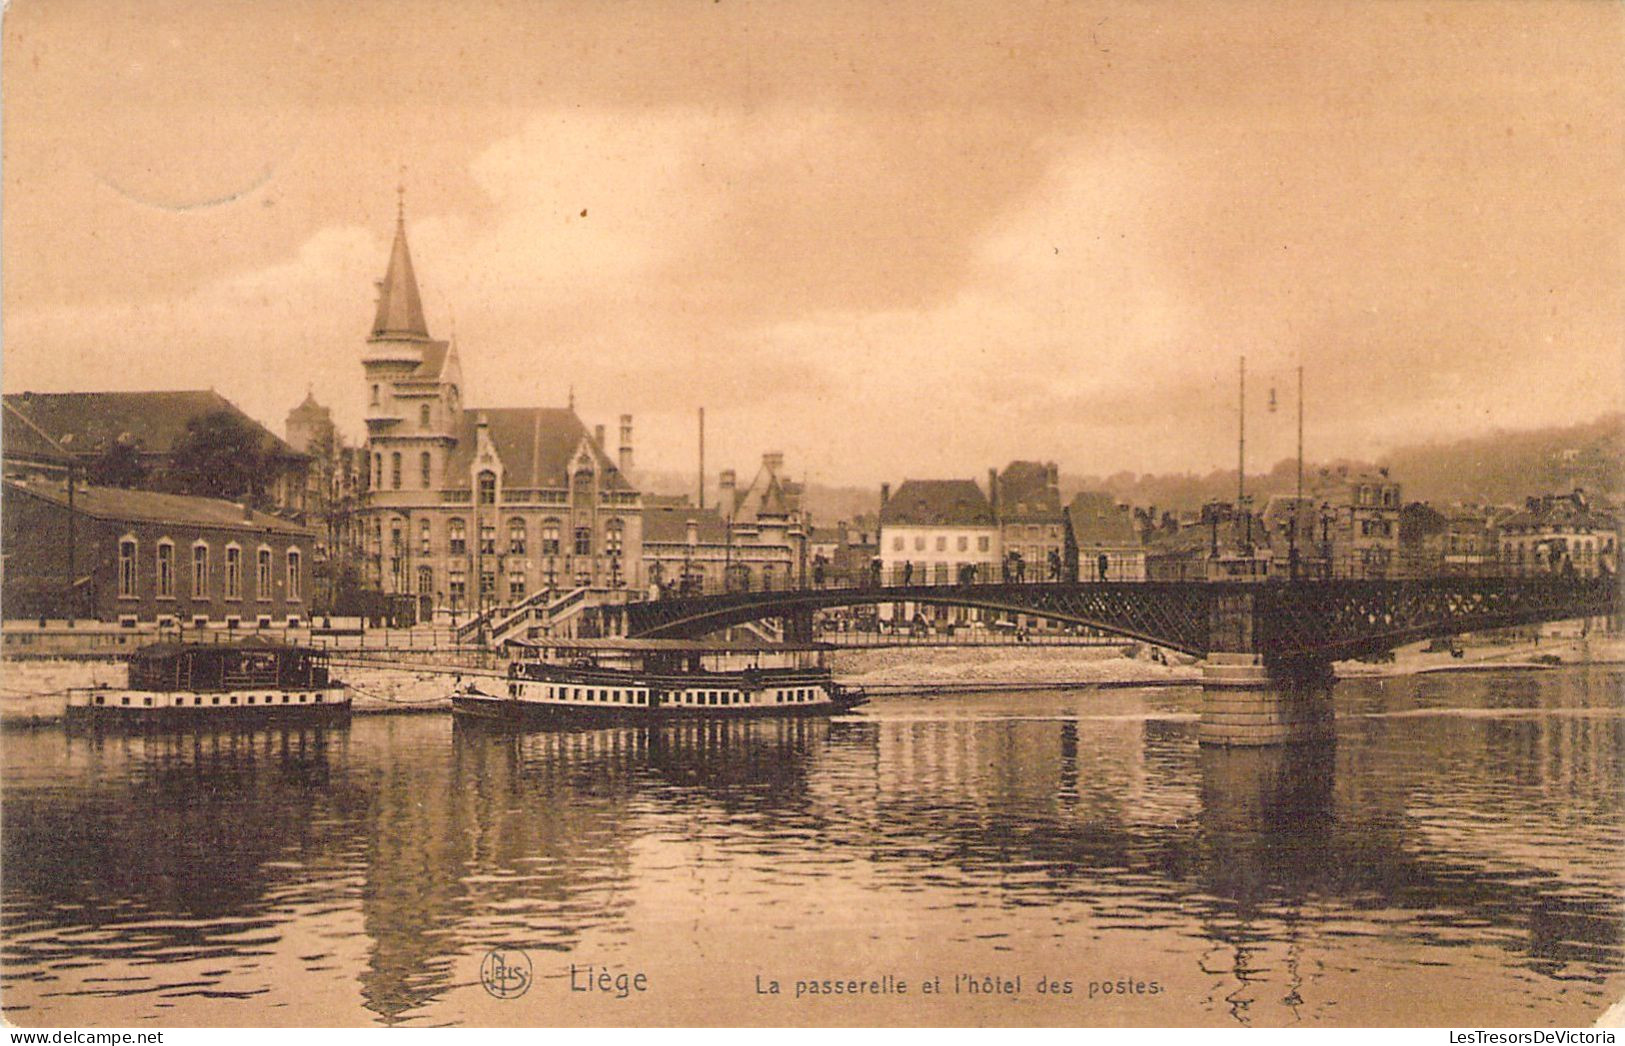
x: 937, y: 532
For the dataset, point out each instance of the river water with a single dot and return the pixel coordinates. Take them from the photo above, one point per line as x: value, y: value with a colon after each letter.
x: 1455, y: 858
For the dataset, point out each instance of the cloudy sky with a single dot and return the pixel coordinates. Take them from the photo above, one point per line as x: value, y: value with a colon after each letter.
x: 888, y: 239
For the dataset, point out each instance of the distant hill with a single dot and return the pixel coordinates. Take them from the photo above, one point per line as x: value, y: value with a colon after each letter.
x: 1503, y: 467
x: 1506, y: 466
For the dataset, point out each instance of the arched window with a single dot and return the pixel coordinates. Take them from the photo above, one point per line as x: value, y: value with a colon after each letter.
x: 423, y: 416
x: 200, y: 570
x: 614, y: 537
x: 166, y: 569
x: 234, y: 572
x: 488, y: 488
x: 262, y: 573
x: 375, y: 395
x: 550, y: 537
x: 425, y: 581
x: 516, y: 536
x: 488, y: 539
x: 425, y: 468
x: 294, y: 575
x: 395, y: 470
x: 126, y: 568
x: 457, y: 537
x: 423, y: 537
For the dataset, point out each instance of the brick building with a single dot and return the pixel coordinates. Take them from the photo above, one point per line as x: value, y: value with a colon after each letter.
x: 143, y: 556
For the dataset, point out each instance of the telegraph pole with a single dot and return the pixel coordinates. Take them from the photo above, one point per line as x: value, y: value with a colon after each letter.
x: 1241, y: 451
x: 73, y: 579
x: 1297, y: 501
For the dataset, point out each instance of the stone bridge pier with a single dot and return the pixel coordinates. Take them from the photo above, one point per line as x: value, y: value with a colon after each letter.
x: 1249, y: 698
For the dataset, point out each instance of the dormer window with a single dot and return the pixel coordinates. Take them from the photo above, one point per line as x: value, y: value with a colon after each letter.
x: 488, y: 488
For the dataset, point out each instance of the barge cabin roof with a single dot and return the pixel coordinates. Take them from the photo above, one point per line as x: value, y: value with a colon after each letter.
x: 252, y: 662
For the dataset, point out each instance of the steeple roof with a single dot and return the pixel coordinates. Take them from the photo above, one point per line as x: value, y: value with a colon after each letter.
x: 400, y: 310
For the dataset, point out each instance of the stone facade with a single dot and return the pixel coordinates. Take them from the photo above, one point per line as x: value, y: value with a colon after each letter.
x: 467, y: 509
x: 1560, y: 534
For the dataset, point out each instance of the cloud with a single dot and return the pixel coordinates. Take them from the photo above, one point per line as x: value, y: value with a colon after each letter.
x: 882, y: 250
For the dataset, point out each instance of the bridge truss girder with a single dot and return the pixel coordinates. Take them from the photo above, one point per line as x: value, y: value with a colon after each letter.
x: 1170, y: 614
x: 1332, y: 621
x: 1292, y: 621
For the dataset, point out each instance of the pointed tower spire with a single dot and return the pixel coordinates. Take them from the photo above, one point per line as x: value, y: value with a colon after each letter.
x: 400, y: 310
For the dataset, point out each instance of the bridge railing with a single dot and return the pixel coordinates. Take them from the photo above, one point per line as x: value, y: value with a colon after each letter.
x: 1350, y: 566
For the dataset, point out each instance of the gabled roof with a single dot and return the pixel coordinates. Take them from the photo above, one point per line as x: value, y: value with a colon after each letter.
x: 764, y: 497
x: 434, y: 361
x: 668, y: 524
x: 309, y: 408
x: 937, y: 502
x: 537, y: 446
x: 1025, y: 495
x: 87, y: 423
x: 1557, y: 512
x: 1098, y: 521
x: 769, y: 494
x: 1183, y: 541
x: 400, y: 310
x: 148, y: 506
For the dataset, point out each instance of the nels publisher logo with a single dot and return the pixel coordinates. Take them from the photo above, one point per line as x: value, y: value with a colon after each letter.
x: 506, y: 973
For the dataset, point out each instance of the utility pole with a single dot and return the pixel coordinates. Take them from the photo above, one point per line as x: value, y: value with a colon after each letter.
x: 1241, y: 453
x: 73, y: 571
x: 1297, y: 501
x: 702, y: 458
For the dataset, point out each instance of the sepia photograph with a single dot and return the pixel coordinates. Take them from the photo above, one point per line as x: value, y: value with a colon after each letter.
x: 739, y: 514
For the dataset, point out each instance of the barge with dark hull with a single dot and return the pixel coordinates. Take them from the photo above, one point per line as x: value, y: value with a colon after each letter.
x: 223, y: 684
x: 594, y: 681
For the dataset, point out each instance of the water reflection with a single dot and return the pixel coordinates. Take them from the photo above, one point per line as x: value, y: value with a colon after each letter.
x: 358, y: 873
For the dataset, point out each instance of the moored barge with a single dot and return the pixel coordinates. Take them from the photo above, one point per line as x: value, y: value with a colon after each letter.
x: 645, y: 680
x: 216, y: 683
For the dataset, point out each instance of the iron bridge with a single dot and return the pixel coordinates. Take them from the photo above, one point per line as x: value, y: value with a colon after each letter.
x: 1286, y: 621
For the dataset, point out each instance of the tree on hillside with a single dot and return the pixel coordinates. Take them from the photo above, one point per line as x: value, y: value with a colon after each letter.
x: 219, y: 456
x: 120, y: 465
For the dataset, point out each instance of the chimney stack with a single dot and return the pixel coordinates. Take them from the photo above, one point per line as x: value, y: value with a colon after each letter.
x: 626, y: 444
x: 885, y: 495
x: 726, y: 482
x: 773, y: 460
x: 598, y: 436
x: 993, y: 489
x: 693, y: 532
